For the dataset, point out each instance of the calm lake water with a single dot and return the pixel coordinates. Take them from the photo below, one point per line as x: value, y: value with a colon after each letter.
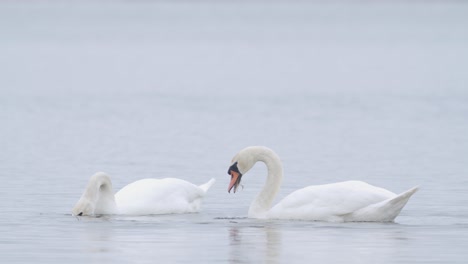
x: 341, y: 91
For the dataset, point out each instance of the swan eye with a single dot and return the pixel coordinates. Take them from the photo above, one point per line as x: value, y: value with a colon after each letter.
x: 80, y: 214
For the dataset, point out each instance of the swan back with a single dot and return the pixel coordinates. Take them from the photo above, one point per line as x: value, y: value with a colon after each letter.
x: 328, y: 202
x: 161, y: 196
x: 98, y: 197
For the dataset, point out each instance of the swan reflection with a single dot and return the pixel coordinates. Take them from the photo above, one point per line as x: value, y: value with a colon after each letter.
x: 254, y: 244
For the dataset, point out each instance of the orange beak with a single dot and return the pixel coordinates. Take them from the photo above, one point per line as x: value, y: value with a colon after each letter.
x: 234, y: 182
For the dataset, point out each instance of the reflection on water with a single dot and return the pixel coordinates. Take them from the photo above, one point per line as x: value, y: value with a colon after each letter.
x: 277, y: 241
x: 98, y: 239
x: 254, y: 244
x: 255, y: 241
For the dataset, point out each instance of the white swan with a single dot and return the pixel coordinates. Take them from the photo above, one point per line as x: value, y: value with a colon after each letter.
x: 350, y: 201
x: 143, y: 197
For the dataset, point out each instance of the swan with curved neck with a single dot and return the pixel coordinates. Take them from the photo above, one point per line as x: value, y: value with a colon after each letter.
x: 142, y: 197
x: 338, y: 202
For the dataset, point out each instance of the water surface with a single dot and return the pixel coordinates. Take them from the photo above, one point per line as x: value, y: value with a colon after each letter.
x: 342, y: 91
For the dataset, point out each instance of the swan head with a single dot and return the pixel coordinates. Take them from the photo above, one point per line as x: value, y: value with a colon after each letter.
x: 241, y: 164
x: 83, y: 207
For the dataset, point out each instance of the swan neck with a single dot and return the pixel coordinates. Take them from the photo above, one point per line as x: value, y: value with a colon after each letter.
x: 101, y: 194
x: 263, y: 202
x: 106, y: 204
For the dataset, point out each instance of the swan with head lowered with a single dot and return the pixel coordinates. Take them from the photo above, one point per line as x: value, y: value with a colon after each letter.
x: 349, y: 201
x: 142, y: 197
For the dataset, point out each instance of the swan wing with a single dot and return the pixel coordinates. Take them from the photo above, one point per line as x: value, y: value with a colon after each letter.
x: 384, y: 211
x: 329, y: 202
x: 159, y: 196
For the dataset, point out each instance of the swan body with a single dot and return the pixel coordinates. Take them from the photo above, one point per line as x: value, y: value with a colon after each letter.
x: 142, y: 197
x: 349, y: 201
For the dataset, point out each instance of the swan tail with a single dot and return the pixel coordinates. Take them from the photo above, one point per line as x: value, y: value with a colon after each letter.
x: 207, y: 185
x: 385, y: 211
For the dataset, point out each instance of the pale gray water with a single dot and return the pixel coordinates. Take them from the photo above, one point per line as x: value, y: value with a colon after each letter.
x: 374, y: 92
